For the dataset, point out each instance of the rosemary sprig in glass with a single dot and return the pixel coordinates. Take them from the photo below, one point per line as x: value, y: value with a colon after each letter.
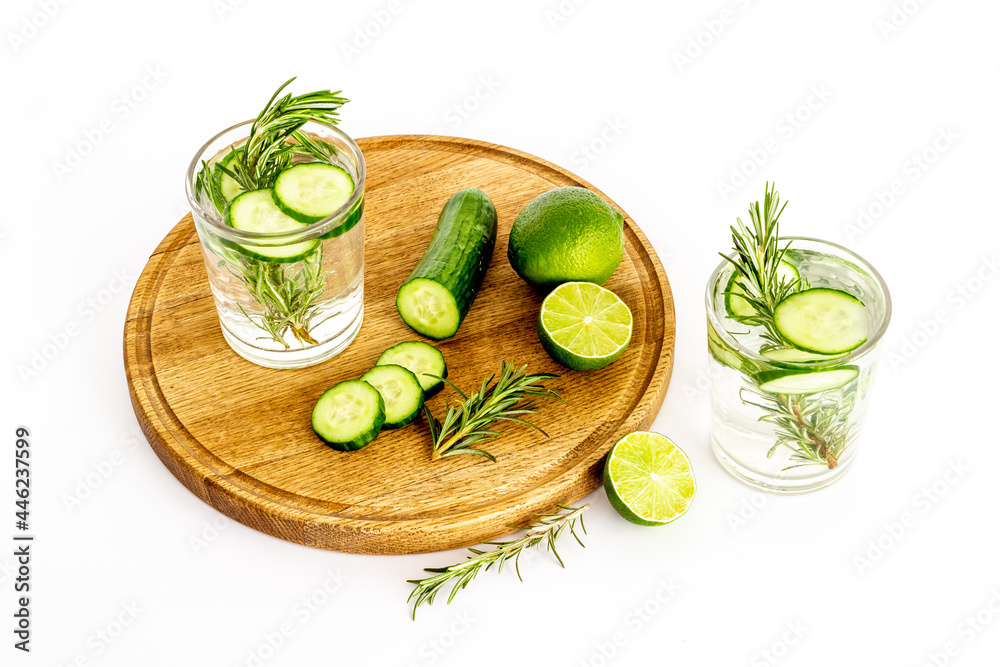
x: 816, y: 428
x: 267, y: 150
x: 287, y: 294
x: 757, y: 258
x: 466, y: 423
x: 287, y: 298
x: 547, y: 529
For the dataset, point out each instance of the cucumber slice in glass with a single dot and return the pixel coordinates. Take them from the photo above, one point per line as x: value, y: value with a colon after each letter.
x: 738, y: 307
x: 311, y: 191
x: 349, y: 415
x: 795, y: 355
x: 255, y: 211
x: 228, y: 185
x: 224, y: 183
x: 726, y: 356
x: 822, y: 320
x: 401, y: 392
x: 805, y: 382
x: 422, y: 359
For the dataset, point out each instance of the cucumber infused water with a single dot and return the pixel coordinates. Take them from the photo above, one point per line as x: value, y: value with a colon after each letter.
x: 791, y: 376
x: 278, y: 204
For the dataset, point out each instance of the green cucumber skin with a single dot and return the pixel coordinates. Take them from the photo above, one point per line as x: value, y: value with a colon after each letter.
x: 217, y: 174
x: 764, y: 377
x: 460, y: 249
x: 345, y: 226
x: 358, y: 442
x: 350, y: 220
x: 406, y: 422
x: 435, y: 390
x: 294, y: 212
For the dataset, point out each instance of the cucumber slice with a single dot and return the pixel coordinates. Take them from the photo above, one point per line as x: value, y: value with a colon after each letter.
x: 228, y: 186
x: 822, y: 320
x: 721, y: 352
x: 738, y: 307
x: 429, y: 308
x: 349, y: 415
x: 795, y: 355
x: 401, y: 392
x: 255, y: 211
x: 223, y: 183
x: 437, y: 295
x: 787, y: 272
x: 422, y: 359
x: 312, y: 191
x: 805, y: 382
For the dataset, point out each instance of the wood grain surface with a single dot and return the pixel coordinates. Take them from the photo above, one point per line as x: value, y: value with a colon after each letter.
x: 238, y: 436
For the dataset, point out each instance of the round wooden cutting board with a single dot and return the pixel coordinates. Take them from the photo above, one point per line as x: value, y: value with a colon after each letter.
x: 238, y: 436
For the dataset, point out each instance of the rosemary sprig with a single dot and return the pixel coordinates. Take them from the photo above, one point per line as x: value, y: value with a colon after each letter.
x: 465, y: 424
x: 547, y: 529
x: 267, y: 150
x: 757, y: 258
x: 816, y: 428
x: 287, y: 297
x: 204, y: 184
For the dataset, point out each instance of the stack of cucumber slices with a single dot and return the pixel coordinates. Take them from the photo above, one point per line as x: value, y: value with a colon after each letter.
x: 351, y: 414
x: 302, y: 194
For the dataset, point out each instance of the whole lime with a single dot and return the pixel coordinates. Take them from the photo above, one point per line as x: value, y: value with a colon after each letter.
x: 566, y: 234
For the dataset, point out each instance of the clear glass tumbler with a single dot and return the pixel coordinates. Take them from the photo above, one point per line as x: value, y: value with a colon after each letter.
x: 308, y: 306
x: 803, y: 441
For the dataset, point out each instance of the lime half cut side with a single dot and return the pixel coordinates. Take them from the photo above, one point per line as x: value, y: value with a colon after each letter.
x: 649, y: 479
x: 584, y: 326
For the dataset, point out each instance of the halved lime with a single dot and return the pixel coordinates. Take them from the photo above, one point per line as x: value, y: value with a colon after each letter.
x: 584, y: 326
x: 648, y: 479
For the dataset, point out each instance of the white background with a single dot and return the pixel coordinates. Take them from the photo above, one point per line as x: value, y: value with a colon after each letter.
x: 884, y: 78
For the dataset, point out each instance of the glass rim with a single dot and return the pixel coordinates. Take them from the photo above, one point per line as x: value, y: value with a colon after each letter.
x: 862, y: 349
x: 308, y: 231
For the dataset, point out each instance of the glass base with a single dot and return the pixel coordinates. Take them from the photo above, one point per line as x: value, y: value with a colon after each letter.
x: 778, y: 485
x: 285, y: 359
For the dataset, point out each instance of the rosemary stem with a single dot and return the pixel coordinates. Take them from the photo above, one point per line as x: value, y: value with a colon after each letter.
x: 448, y: 444
x: 822, y: 447
x: 303, y: 334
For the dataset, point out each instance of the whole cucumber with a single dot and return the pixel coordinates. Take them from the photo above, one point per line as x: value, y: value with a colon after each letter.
x: 436, y: 297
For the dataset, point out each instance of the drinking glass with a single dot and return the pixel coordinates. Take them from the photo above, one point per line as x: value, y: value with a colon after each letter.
x: 801, y: 442
x: 308, y: 306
